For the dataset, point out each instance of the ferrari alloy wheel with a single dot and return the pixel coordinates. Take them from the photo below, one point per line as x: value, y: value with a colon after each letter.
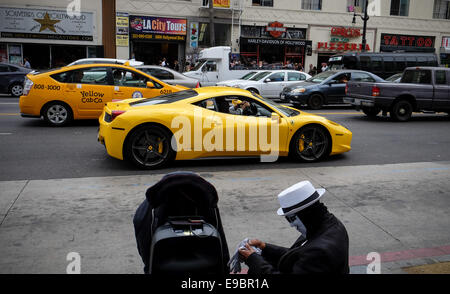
x: 310, y: 143
x: 57, y: 114
x: 149, y: 147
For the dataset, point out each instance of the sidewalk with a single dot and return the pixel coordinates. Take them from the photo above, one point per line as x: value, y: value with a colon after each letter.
x: 400, y: 211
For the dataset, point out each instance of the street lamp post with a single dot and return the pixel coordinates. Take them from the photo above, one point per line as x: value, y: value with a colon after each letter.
x: 365, y: 18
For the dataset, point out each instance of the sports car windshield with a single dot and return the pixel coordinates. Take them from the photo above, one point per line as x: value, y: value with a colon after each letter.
x: 164, y: 99
x: 321, y: 77
x: 283, y: 109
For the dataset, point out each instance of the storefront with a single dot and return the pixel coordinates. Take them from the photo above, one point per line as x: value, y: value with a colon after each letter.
x: 46, y: 37
x: 154, y: 38
x: 445, y: 52
x: 273, y: 44
x: 329, y: 41
x: 407, y: 43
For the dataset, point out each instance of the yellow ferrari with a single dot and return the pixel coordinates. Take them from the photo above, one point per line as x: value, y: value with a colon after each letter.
x: 215, y: 122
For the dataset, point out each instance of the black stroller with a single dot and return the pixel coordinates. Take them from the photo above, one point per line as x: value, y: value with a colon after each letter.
x: 178, y: 227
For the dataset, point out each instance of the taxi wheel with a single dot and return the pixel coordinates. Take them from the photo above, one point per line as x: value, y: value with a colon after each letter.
x: 149, y: 147
x: 57, y: 114
x: 310, y: 143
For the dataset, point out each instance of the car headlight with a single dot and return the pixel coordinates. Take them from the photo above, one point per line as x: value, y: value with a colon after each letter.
x: 299, y: 90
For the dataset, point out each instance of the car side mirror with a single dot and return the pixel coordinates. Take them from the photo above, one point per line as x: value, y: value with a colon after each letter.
x: 275, y: 117
x: 332, y: 82
x: 150, y: 85
x: 267, y: 80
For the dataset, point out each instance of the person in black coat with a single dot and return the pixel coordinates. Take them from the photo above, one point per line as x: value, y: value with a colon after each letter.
x: 321, y: 248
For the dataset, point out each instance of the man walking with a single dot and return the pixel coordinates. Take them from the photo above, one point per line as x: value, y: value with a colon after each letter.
x: 321, y: 248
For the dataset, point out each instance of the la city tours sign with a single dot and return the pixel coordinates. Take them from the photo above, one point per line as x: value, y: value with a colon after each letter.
x: 276, y: 29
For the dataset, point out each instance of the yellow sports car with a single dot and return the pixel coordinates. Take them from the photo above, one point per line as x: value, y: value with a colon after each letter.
x: 215, y: 121
x: 81, y: 91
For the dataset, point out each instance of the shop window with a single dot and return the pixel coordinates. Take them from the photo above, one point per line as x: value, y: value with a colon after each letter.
x: 262, y: 3
x: 312, y: 4
x: 277, y: 77
x: 356, y: 5
x: 400, y: 7
x: 441, y: 9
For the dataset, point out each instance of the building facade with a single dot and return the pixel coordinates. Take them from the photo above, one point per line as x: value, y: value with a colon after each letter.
x: 273, y: 31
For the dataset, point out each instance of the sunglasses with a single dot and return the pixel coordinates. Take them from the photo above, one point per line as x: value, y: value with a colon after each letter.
x: 291, y: 218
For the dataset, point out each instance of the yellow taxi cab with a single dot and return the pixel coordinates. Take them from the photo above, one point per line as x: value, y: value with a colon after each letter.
x: 81, y: 91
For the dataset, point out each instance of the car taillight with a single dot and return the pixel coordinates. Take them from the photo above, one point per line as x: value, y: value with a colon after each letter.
x: 346, y: 89
x: 198, y: 85
x: 27, y: 85
x: 116, y: 113
x: 375, y: 91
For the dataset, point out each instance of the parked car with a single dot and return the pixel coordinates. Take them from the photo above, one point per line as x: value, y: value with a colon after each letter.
x: 270, y: 83
x: 325, y: 88
x: 395, y: 78
x: 232, y: 83
x: 169, y: 76
x: 420, y: 89
x: 131, y: 62
x: 12, y: 77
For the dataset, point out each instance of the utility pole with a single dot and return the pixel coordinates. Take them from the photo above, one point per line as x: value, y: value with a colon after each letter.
x: 212, y: 40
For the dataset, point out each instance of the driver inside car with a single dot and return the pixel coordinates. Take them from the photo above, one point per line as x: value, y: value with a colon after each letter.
x: 239, y: 107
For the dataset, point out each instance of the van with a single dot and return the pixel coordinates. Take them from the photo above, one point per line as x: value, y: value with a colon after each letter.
x: 214, y: 67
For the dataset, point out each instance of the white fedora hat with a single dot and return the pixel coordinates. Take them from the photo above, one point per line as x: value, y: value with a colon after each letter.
x: 298, y: 197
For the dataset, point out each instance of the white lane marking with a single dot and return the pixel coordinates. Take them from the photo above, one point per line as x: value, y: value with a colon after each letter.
x: 8, y: 103
x: 3, y: 134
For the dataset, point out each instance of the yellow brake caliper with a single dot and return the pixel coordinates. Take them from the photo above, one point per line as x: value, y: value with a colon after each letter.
x: 301, y: 143
x: 160, y: 146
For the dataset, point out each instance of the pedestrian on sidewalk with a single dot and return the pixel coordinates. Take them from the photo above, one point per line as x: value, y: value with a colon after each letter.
x: 321, y: 248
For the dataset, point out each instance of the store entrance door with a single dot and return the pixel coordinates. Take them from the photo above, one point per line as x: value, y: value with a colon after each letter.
x: 323, y: 57
x: 153, y: 52
x: 37, y: 54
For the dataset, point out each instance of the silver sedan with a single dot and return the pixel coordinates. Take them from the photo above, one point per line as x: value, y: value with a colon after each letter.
x: 169, y: 76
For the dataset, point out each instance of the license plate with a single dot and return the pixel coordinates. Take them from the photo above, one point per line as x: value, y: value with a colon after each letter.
x: 281, y: 96
x: 357, y: 101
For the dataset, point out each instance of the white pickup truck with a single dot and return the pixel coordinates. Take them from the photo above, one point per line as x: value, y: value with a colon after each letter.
x: 214, y: 66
